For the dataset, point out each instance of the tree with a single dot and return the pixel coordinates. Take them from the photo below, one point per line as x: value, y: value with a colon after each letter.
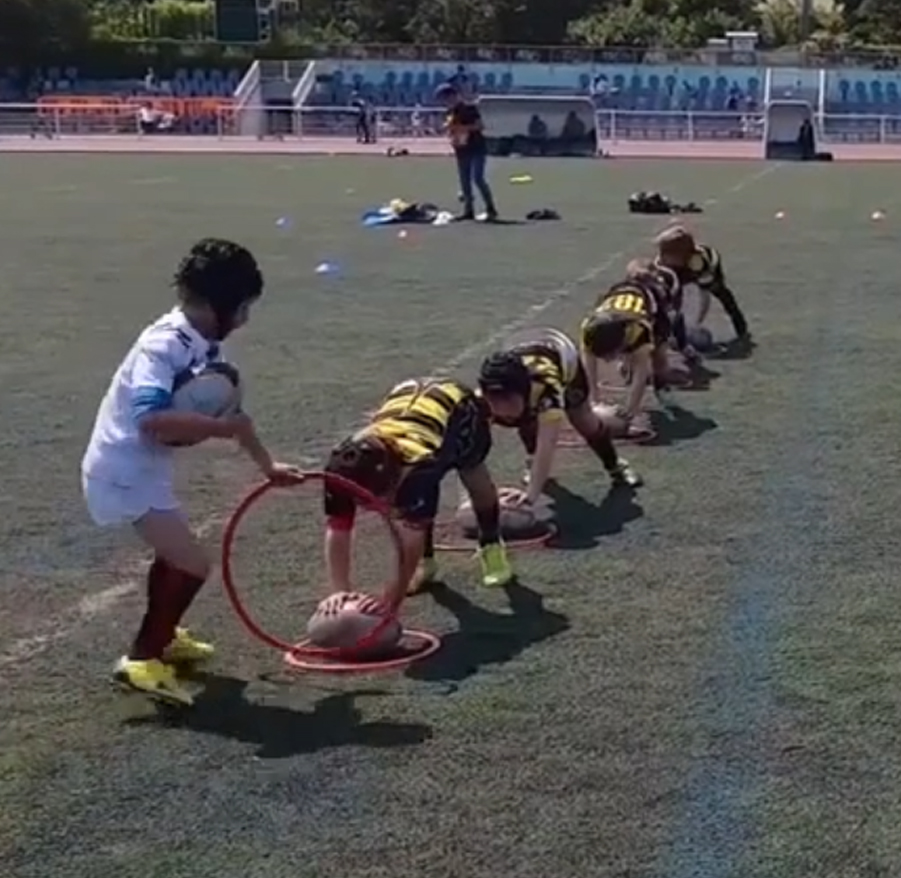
x: 629, y: 25
x: 780, y: 23
x: 878, y: 22
x: 453, y: 21
x: 32, y: 28
x: 688, y: 23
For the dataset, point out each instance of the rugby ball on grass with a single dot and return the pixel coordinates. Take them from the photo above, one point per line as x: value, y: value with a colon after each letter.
x: 214, y: 391
x: 619, y: 427
x: 345, y: 619
x: 517, y: 522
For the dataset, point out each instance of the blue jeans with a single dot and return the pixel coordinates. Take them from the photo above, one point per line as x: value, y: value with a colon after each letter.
x: 471, y: 170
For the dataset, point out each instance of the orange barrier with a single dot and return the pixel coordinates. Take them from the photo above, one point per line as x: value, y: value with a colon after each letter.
x: 182, y: 108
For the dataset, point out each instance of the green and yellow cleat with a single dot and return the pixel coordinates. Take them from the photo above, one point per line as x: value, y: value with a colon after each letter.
x: 153, y: 678
x: 185, y: 650
x: 496, y: 569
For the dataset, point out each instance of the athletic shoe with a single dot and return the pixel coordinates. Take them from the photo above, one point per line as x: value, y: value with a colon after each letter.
x: 624, y: 476
x: 185, y: 649
x: 153, y: 678
x: 496, y: 569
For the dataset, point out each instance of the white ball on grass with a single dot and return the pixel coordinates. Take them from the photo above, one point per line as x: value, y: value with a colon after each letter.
x: 345, y: 619
x: 214, y: 391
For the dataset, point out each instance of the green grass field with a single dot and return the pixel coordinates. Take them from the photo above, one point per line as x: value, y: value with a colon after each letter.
x: 711, y: 685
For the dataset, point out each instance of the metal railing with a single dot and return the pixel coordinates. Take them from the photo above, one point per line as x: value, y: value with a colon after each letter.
x: 610, y: 124
x: 387, y: 123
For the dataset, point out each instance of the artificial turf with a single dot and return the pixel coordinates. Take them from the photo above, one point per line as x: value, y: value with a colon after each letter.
x: 704, y: 682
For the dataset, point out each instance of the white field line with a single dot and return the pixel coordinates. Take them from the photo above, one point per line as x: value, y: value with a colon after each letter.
x: 103, y: 602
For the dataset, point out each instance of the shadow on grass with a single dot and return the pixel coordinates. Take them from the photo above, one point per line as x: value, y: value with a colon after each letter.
x: 503, y: 221
x: 222, y: 709
x: 737, y: 349
x: 582, y: 523
x: 484, y: 637
x: 678, y: 425
x: 700, y: 378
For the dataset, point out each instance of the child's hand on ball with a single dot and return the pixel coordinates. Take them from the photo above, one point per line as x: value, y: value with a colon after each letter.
x: 513, y: 498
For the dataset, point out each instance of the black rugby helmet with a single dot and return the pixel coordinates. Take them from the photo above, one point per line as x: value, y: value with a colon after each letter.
x: 221, y: 274
x: 366, y: 461
x: 604, y: 333
x: 504, y: 372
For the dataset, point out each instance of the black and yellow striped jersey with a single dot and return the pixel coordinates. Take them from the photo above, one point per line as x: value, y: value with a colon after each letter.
x: 704, y: 268
x: 429, y: 426
x: 555, y: 368
x: 636, y: 304
x: 439, y: 421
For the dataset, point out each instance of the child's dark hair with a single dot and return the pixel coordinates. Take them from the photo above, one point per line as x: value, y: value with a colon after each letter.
x: 447, y: 90
x: 220, y: 273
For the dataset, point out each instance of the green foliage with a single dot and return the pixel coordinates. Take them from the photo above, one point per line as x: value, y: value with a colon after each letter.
x: 31, y: 26
x: 128, y: 33
x: 163, y: 20
x: 875, y: 19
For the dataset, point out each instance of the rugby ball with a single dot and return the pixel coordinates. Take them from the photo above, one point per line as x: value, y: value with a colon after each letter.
x: 345, y: 619
x: 214, y: 391
x: 517, y: 522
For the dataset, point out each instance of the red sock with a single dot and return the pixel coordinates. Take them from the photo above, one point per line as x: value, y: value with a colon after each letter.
x: 169, y: 594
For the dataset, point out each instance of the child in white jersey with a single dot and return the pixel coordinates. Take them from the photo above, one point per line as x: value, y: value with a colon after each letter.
x: 127, y: 468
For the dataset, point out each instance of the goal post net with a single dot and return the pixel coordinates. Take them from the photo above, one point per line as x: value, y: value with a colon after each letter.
x: 540, y: 125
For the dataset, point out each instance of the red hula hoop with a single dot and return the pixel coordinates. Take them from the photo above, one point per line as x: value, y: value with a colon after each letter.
x: 300, y: 658
x: 366, y: 500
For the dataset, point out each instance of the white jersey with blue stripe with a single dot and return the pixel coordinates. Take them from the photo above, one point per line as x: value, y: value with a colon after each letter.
x: 118, y: 452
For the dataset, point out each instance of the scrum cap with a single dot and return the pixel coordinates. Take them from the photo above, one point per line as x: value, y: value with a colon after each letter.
x: 504, y: 373
x: 604, y: 333
x: 366, y: 461
x: 675, y: 239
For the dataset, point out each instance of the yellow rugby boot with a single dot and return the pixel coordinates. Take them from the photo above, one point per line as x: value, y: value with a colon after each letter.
x: 496, y: 569
x: 185, y: 649
x: 426, y: 575
x: 151, y: 677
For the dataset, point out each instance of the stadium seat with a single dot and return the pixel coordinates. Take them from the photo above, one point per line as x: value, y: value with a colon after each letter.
x: 655, y: 94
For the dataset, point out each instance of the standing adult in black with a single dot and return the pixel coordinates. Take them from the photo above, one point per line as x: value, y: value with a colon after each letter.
x: 361, y: 124
x: 464, y: 128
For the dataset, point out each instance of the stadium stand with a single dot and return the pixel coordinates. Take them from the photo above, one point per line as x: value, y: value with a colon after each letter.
x: 649, y: 101
x: 185, y: 83
x: 855, y: 104
x: 626, y: 88
x: 195, y: 99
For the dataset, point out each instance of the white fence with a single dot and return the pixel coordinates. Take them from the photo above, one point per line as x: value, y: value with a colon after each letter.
x: 85, y: 120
